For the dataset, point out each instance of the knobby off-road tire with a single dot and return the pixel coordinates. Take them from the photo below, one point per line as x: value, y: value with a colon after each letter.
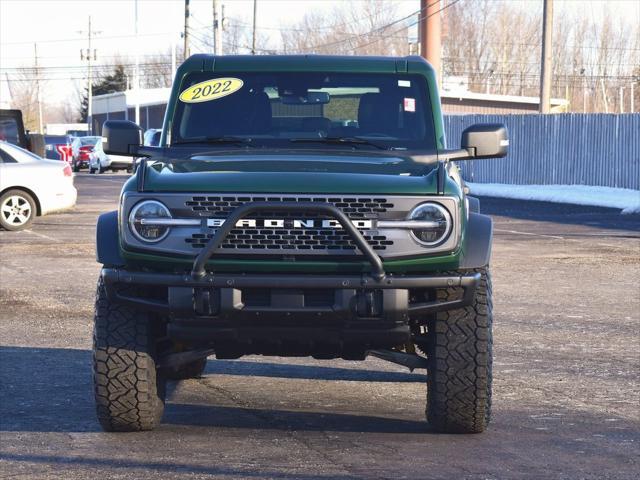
x: 459, y: 354
x: 129, y: 392
x: 189, y: 370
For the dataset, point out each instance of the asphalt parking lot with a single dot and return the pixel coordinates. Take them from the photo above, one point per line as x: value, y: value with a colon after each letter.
x: 566, y: 390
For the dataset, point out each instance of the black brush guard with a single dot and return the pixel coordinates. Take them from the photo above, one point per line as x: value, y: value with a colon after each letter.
x: 205, y: 304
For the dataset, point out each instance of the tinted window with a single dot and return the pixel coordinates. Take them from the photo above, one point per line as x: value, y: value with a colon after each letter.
x: 273, y: 108
x: 15, y: 151
x: 9, y: 130
x: 5, y: 157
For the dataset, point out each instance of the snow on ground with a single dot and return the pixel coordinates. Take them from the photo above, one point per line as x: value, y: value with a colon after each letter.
x: 626, y: 199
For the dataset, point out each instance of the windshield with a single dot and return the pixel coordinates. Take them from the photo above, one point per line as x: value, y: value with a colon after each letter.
x: 363, y: 110
x: 16, y: 151
x: 88, y: 140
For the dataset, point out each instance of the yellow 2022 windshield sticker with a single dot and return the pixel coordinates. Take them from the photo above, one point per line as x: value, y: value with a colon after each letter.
x: 211, y: 90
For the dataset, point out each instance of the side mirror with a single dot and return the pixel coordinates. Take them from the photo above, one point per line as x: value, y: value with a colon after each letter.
x: 486, y: 140
x: 121, y: 137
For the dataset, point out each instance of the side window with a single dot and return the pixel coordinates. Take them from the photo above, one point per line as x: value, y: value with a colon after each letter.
x: 6, y: 158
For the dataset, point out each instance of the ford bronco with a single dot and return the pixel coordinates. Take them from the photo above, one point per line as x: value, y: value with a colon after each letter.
x: 296, y: 206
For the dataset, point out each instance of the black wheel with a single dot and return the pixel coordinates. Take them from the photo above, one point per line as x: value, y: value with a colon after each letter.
x: 17, y: 210
x: 459, y: 353
x: 129, y: 391
x: 189, y: 370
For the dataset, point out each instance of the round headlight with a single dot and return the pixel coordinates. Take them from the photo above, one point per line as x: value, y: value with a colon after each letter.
x: 141, y: 221
x: 440, y: 224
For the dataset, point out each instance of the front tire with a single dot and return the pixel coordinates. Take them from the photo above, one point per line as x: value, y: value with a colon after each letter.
x: 17, y: 210
x: 129, y: 391
x: 459, y: 355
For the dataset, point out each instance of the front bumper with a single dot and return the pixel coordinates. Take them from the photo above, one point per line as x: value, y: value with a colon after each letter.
x: 241, y: 309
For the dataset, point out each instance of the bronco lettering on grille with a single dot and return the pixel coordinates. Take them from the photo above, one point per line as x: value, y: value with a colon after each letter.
x: 288, y: 223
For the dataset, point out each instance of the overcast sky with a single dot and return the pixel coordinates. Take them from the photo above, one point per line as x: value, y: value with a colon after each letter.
x: 59, y: 28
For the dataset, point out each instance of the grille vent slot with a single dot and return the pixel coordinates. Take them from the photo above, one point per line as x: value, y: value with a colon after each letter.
x: 353, y: 207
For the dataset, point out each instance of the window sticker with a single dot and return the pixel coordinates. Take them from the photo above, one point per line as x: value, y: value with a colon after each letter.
x: 409, y: 104
x: 404, y: 83
x: 211, y: 90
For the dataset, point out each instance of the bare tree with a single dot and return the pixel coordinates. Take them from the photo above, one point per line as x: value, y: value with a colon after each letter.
x: 372, y: 28
x: 496, y: 46
x: 23, y: 89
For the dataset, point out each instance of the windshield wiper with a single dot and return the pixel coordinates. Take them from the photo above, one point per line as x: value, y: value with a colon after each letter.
x: 340, y: 140
x: 213, y: 140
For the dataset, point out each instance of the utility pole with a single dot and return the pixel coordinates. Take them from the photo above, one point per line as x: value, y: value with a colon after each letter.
x: 136, y: 85
x: 253, y: 35
x: 217, y: 27
x: 90, y: 81
x: 186, y: 29
x: 35, y: 50
x: 173, y: 58
x: 547, y: 49
x: 604, y: 96
x: 430, y: 34
x: 621, y: 99
x: 90, y: 34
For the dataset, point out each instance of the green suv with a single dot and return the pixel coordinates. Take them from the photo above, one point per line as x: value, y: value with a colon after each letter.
x: 296, y: 206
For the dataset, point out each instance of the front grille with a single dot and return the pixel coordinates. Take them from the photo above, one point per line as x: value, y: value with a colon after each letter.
x: 353, y: 207
x: 289, y: 239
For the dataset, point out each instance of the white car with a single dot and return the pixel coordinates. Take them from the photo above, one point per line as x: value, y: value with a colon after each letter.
x: 32, y: 186
x: 101, y: 162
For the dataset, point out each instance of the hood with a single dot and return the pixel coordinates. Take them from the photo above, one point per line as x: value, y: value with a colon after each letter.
x: 293, y: 172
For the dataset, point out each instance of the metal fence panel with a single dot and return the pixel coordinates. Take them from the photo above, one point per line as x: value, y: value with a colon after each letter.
x: 566, y: 149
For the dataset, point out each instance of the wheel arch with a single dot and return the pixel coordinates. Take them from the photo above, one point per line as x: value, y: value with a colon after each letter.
x: 31, y: 194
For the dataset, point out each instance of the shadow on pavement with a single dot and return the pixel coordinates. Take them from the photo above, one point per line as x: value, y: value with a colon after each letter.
x: 287, y: 420
x: 115, y: 464
x: 561, y: 214
x: 50, y: 390
x: 312, y: 372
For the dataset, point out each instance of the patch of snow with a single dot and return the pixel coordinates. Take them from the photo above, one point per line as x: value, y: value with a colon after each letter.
x: 624, y: 198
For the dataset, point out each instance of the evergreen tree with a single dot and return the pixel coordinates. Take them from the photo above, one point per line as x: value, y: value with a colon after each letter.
x: 114, y: 82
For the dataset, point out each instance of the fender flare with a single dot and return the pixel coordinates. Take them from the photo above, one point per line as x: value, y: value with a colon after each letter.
x: 479, y: 235
x: 107, y: 240
x: 474, y: 204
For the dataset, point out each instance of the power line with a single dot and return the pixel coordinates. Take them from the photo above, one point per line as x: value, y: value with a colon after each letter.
x: 422, y: 17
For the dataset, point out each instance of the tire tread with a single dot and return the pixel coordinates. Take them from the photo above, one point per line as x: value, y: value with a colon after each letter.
x: 459, y: 352
x: 129, y: 394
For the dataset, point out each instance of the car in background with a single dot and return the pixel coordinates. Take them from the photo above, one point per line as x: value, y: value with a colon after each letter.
x: 31, y: 186
x: 100, y: 162
x: 12, y: 130
x: 152, y: 137
x: 81, y: 148
x: 58, y: 147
